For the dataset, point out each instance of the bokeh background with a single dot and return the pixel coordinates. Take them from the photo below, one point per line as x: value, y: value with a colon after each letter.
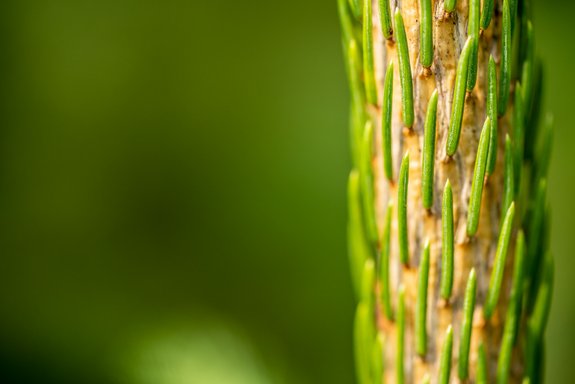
x: 172, y: 191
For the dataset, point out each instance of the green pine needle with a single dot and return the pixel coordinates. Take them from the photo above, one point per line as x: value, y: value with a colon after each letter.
x: 486, y: 14
x: 473, y: 31
x: 536, y: 228
x: 482, y: 373
x: 508, y: 177
x: 492, y: 113
x: 527, y: 69
x: 534, y: 110
x: 459, y: 97
x: 505, y: 354
x: 533, y: 356
x: 426, y: 33
x: 386, y: 112
x: 355, y: 6
x: 385, y: 17
x: 367, y: 182
x: 536, y: 236
x: 428, y: 159
x: 449, y: 5
x: 359, y: 249
x: 367, y: 282
x: 384, y: 264
x: 544, y: 149
x: 513, y: 13
x: 527, y: 82
x: 364, y: 324
x: 402, y: 209
x: 465, y: 341
x: 445, y: 359
x: 513, y: 313
x: 404, y: 71
x: 346, y: 20
x: 540, y: 315
x: 518, y: 135
x: 516, y: 295
x: 499, y: 263
x: 506, y: 54
x: 377, y: 358
x: 446, y: 284
x: 368, y: 59
x: 478, y: 179
x: 363, y: 336
x: 538, y: 321
x: 400, y: 368
x: 354, y: 65
x: 354, y: 71
x: 421, y: 306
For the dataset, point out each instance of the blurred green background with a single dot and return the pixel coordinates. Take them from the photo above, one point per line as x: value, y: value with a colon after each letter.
x: 172, y: 191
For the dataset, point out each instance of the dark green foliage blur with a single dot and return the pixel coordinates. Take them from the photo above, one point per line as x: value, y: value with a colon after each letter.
x: 172, y: 191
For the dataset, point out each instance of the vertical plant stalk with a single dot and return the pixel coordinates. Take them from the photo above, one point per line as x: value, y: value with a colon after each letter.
x: 454, y: 279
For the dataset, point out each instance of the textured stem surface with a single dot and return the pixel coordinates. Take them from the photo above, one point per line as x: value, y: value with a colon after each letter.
x: 454, y: 187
